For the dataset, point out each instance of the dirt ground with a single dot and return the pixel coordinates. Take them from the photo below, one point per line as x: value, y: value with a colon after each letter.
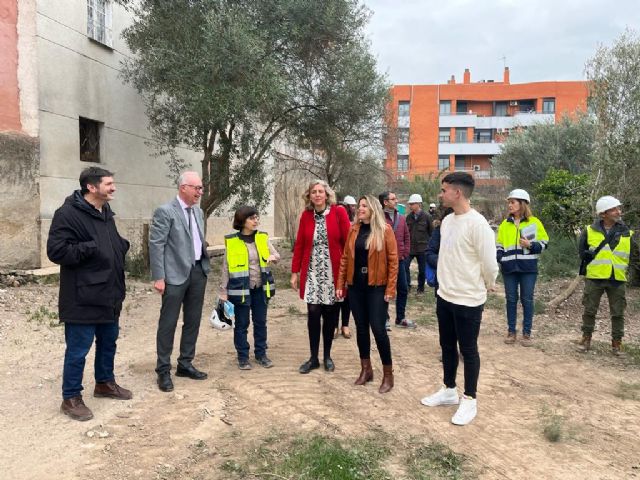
x: 190, y: 432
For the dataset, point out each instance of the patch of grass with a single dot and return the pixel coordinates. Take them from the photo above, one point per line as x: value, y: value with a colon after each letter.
x: 314, y: 457
x: 293, y: 310
x: 553, y: 425
x: 539, y: 306
x: 631, y: 351
x: 628, y: 391
x: 435, y: 461
x: 495, y: 302
x: 53, y: 279
x: 41, y: 315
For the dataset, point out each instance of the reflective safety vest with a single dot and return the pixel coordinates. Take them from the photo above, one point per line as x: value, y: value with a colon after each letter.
x: 600, y: 267
x: 512, y: 257
x: 238, y: 288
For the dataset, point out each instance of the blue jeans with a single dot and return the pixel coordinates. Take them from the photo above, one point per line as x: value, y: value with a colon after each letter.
x: 402, y: 292
x: 527, y: 283
x: 79, y: 337
x: 258, y: 310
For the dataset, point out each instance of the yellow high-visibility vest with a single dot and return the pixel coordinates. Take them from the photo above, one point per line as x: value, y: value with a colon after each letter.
x: 238, y: 267
x: 600, y: 267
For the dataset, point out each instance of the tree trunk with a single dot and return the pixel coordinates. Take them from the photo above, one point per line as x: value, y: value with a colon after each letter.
x: 562, y: 296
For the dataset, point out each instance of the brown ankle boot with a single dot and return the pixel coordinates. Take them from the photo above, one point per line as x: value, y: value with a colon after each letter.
x: 387, y: 379
x: 616, y: 347
x: 584, y: 345
x: 76, y: 409
x: 112, y: 390
x: 366, y: 372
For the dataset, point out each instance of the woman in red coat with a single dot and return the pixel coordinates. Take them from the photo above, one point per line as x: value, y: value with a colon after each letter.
x: 322, y: 233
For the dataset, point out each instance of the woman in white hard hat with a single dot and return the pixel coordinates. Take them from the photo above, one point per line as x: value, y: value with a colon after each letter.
x: 520, y: 240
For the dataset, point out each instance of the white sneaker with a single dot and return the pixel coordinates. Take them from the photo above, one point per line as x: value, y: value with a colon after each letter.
x: 444, y: 396
x: 467, y: 411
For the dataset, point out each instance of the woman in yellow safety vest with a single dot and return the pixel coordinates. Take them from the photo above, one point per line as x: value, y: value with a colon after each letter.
x: 520, y: 241
x: 247, y: 282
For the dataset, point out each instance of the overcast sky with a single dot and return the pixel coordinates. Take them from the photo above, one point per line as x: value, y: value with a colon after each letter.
x: 427, y: 41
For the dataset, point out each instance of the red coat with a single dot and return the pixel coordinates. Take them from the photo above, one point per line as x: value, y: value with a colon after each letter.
x: 338, y: 225
x: 402, y: 235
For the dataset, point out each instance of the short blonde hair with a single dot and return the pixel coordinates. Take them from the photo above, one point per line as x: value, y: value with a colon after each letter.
x: 331, y: 195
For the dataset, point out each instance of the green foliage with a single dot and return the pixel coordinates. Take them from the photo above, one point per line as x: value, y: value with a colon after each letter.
x: 561, y: 259
x: 428, y: 187
x: 614, y: 97
x: 628, y: 391
x: 228, y: 78
x: 435, y: 461
x: 528, y: 155
x: 137, y: 267
x: 565, y: 201
x: 41, y: 315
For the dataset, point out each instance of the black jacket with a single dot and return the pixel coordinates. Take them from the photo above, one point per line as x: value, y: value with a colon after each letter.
x: 420, y: 230
x: 90, y: 252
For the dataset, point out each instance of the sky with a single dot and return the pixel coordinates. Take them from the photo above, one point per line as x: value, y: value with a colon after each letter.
x: 427, y: 41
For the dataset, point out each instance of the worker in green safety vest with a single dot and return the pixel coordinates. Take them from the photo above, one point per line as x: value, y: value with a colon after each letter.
x: 605, y: 248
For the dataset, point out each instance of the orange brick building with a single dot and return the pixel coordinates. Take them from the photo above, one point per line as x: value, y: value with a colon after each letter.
x: 457, y: 126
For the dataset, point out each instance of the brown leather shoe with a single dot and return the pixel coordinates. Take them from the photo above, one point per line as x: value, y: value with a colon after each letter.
x: 75, y: 408
x: 112, y: 390
x: 584, y: 345
x: 366, y: 372
x: 510, y: 339
x: 526, y: 340
x: 387, y: 379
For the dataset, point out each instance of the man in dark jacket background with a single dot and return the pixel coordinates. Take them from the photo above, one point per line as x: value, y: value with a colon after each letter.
x: 389, y: 201
x: 84, y: 241
x: 420, y: 228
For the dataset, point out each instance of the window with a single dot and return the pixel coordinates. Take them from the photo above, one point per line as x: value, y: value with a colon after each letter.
x: 445, y: 107
x: 403, y: 135
x: 461, y: 135
x: 482, y: 136
x: 549, y: 105
x: 89, y: 140
x: 99, y: 14
x: 443, y: 162
x: 403, y: 109
x: 445, y: 135
x: 403, y: 163
x: 461, y: 107
x: 500, y: 109
x: 460, y: 162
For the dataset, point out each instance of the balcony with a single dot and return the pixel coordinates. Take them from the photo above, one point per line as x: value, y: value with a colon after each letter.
x: 469, y: 148
x: 471, y: 120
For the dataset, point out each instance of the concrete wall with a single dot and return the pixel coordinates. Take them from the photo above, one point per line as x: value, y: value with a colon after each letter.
x: 19, y: 201
x: 79, y: 77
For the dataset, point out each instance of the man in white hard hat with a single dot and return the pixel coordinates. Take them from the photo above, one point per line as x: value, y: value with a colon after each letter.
x: 432, y: 210
x: 605, y: 248
x: 420, y: 228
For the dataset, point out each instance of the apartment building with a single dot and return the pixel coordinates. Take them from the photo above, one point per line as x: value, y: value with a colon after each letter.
x: 460, y: 126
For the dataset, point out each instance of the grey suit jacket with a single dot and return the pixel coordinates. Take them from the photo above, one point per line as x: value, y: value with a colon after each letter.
x: 171, y: 246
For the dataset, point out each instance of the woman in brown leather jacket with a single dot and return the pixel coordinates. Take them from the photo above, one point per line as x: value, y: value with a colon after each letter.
x: 369, y: 269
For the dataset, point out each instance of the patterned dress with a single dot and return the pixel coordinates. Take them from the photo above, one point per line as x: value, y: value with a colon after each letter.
x: 319, y: 287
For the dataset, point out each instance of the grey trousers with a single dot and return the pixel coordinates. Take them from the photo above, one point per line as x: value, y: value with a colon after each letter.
x: 189, y: 296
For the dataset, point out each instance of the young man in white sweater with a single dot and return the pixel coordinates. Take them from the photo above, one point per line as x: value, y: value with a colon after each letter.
x: 467, y: 268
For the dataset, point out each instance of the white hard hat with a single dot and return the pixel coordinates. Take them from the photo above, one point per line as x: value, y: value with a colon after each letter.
x: 415, y: 198
x: 432, y: 205
x: 605, y: 203
x: 519, y: 194
x: 349, y: 200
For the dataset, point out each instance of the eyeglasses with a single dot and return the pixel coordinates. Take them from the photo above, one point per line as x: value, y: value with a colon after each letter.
x: 254, y: 217
x: 198, y: 188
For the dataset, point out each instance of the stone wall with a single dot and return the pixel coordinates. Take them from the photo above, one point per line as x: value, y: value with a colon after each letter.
x: 19, y: 201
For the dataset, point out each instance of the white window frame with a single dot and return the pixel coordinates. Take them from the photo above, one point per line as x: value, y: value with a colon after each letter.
x: 100, y: 21
x: 403, y: 163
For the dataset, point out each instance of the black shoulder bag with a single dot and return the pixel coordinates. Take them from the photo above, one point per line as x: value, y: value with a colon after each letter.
x: 584, y: 263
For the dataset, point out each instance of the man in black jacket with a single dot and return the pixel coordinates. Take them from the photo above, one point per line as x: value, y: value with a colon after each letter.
x: 420, y: 229
x: 84, y: 241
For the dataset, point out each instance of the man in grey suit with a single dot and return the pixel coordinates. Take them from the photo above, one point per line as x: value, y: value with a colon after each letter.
x: 179, y: 269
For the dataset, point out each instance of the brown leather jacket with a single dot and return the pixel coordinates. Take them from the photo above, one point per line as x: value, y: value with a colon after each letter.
x: 382, y: 266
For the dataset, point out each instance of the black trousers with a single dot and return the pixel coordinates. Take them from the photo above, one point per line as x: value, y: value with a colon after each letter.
x: 369, y: 312
x: 329, y: 316
x: 345, y: 311
x: 189, y: 296
x: 459, y: 325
